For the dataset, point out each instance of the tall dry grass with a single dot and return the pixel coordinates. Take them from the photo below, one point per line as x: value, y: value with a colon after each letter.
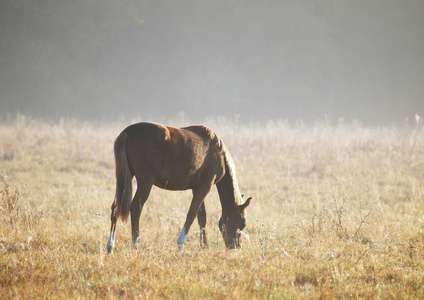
x: 338, y: 211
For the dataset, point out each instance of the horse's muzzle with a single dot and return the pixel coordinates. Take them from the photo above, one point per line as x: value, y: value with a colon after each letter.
x: 234, y: 243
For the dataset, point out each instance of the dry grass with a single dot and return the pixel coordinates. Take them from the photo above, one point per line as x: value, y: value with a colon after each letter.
x: 337, y: 212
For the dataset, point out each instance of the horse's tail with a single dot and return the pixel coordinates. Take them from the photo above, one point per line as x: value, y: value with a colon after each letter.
x: 124, y: 177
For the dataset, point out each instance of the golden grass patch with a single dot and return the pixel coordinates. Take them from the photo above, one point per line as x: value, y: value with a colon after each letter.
x: 336, y: 212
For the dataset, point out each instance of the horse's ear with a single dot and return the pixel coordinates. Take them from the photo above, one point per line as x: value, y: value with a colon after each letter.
x: 245, y: 204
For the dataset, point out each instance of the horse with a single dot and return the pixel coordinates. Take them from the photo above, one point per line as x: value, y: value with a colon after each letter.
x: 176, y: 159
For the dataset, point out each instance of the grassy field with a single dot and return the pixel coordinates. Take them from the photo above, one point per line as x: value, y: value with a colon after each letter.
x: 337, y: 212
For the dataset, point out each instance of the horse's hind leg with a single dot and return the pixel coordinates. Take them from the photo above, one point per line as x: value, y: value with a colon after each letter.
x: 201, y: 219
x: 141, y: 195
x: 111, y: 241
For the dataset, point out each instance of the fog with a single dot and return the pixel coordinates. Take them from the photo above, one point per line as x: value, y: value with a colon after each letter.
x: 259, y: 60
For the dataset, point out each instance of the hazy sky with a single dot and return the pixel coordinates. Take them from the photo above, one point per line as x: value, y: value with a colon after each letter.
x: 262, y: 60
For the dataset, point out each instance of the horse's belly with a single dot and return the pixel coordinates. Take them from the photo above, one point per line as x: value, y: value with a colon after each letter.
x: 175, y: 184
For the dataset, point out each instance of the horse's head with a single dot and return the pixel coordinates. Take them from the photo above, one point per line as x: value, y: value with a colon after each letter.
x: 232, y: 225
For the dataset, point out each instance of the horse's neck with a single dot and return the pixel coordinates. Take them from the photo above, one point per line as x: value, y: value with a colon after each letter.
x: 228, y: 189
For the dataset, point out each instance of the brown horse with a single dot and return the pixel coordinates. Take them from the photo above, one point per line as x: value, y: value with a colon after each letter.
x: 176, y: 159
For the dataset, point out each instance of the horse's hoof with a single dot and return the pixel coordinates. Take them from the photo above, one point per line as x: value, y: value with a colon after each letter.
x: 109, y: 248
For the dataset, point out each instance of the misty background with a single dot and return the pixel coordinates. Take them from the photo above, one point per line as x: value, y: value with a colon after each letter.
x: 262, y: 60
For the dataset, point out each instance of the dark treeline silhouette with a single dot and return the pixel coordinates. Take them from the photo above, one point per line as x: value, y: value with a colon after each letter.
x: 260, y: 59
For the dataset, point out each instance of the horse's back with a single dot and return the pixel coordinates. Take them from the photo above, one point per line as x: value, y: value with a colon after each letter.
x: 158, y: 133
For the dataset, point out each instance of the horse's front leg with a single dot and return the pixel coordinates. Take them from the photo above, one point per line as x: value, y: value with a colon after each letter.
x: 111, y: 242
x: 201, y: 219
x: 199, y: 194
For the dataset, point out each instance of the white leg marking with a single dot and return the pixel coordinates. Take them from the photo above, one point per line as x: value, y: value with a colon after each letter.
x: 111, y: 242
x: 137, y: 244
x: 182, y: 238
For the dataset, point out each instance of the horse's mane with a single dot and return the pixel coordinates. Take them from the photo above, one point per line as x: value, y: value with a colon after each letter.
x: 230, y: 168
